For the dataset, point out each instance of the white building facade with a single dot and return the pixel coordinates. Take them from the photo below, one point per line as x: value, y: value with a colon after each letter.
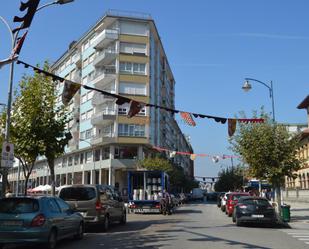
x: 120, y: 54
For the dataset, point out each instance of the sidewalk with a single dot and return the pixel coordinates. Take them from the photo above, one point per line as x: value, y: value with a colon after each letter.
x: 299, y: 215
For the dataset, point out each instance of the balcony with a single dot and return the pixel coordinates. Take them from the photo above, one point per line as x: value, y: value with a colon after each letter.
x: 78, y: 61
x: 104, y: 77
x: 104, y: 58
x: 104, y: 117
x: 104, y: 138
x: 105, y: 38
x: 99, y: 98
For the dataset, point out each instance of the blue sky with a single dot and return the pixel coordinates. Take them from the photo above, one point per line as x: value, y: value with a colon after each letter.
x: 211, y: 47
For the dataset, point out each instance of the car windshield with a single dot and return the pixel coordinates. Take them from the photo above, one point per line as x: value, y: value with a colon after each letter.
x: 257, y: 202
x: 77, y: 193
x: 236, y: 197
x: 18, y: 205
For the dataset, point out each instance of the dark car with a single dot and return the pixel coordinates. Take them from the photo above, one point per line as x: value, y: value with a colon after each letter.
x: 212, y: 196
x: 43, y: 219
x: 253, y: 209
x: 232, y: 201
x: 98, y: 204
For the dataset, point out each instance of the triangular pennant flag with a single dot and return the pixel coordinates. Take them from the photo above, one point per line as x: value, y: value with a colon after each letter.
x: 231, y: 126
x: 192, y: 157
x: 221, y: 120
x: 69, y: 90
x: 135, y: 108
x: 19, y: 45
x: 186, y: 116
x: 121, y: 100
x: 172, y: 154
x: 215, y: 159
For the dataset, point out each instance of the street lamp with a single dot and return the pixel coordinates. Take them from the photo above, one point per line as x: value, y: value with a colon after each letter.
x: 247, y: 87
x: 9, y: 104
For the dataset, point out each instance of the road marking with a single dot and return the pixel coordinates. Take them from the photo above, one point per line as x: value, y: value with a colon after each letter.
x: 300, y: 236
x: 303, y: 239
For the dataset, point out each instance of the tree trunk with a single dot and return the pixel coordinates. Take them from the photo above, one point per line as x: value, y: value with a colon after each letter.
x: 52, y: 174
x: 277, y: 190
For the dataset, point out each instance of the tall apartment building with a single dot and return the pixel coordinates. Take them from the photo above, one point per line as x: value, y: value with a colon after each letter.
x: 121, y: 54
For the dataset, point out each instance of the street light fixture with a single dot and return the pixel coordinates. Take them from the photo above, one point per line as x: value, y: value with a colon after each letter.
x: 10, y: 90
x: 247, y: 87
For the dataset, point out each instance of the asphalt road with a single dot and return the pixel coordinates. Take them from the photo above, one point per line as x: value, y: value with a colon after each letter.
x: 193, y: 226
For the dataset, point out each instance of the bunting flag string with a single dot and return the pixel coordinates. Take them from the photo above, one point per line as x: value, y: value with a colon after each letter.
x: 193, y: 156
x: 136, y: 106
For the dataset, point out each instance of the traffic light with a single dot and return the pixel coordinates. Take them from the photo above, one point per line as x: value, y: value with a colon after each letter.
x: 26, y: 20
x: 213, y: 179
x: 204, y: 179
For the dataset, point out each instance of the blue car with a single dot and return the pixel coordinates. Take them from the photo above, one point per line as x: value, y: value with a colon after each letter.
x: 40, y: 219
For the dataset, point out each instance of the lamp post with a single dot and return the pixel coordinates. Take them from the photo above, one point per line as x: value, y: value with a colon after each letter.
x: 9, y: 103
x: 93, y: 159
x: 247, y: 86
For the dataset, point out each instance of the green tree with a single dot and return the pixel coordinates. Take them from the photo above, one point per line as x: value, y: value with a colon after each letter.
x: 230, y: 179
x: 38, y: 125
x: 269, y: 150
x: 178, y: 180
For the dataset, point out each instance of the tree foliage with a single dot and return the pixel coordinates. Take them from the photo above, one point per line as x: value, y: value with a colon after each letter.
x: 178, y: 180
x: 38, y: 125
x: 230, y: 179
x: 268, y: 149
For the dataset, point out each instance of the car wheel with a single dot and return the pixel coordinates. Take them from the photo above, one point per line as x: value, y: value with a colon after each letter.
x: 222, y: 208
x: 52, y: 240
x: 80, y: 232
x: 106, y: 223
x: 123, y: 220
x: 238, y: 223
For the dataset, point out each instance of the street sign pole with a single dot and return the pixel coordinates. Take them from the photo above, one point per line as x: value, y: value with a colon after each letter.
x: 7, y: 159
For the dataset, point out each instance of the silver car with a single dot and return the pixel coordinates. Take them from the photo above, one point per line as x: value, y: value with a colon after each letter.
x: 98, y: 204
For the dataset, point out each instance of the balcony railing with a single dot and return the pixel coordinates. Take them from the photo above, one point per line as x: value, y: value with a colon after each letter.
x: 105, y: 38
x: 103, y: 117
x: 99, y: 98
x: 103, y: 77
x: 104, y: 58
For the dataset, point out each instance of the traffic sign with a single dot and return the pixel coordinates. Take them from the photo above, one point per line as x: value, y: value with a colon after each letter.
x: 7, y: 155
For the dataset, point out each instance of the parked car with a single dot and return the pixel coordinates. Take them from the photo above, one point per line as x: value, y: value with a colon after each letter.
x: 254, y: 209
x: 219, y: 197
x: 212, y: 196
x: 223, y: 201
x: 98, y: 204
x: 232, y: 201
x: 40, y: 219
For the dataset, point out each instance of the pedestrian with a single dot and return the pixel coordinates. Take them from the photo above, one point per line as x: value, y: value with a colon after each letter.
x: 8, y: 193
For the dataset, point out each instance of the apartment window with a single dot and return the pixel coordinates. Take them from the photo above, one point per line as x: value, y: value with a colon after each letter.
x: 105, y: 153
x: 89, y: 113
x: 83, y: 135
x: 64, y: 162
x: 89, y: 95
x: 70, y: 161
x: 123, y: 110
x: 132, y: 48
x: 83, y: 116
x: 86, y: 45
x: 88, y: 134
x: 132, y: 88
x: 125, y: 152
x: 85, y: 62
x: 84, y: 98
x: 97, y: 153
x: 131, y: 130
x: 84, y: 80
x: 88, y: 156
x: 91, y: 58
x: 81, y: 158
x: 139, y: 68
x: 76, y: 157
